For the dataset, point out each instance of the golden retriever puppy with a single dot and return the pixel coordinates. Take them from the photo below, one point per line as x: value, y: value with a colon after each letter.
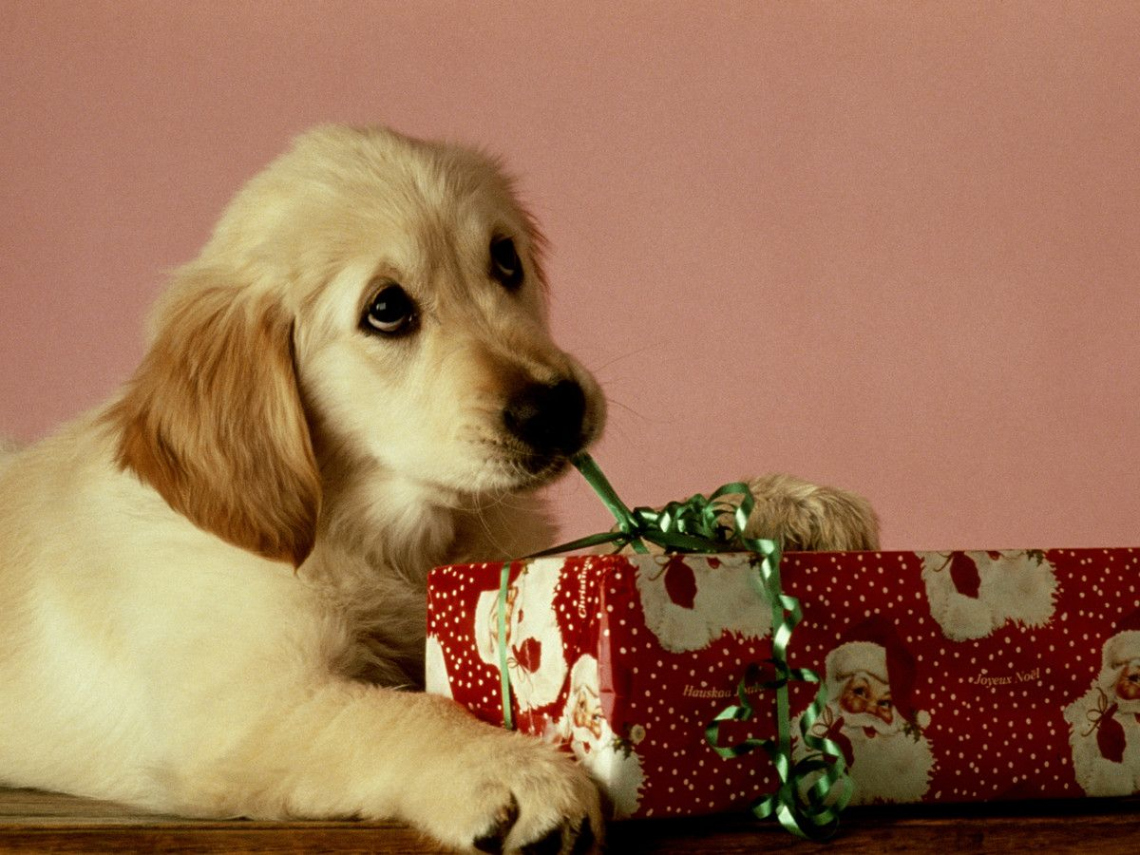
x: 212, y: 587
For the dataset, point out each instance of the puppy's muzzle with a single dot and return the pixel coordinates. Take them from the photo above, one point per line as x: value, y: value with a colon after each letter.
x: 548, y: 418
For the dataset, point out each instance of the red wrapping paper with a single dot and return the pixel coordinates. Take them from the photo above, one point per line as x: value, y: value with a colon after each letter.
x: 952, y: 676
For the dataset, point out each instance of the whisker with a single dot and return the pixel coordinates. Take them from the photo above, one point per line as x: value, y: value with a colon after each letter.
x: 613, y: 402
x: 599, y: 368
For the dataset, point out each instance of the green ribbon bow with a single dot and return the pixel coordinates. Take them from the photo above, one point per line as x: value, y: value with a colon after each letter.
x: 716, y: 523
x: 698, y: 524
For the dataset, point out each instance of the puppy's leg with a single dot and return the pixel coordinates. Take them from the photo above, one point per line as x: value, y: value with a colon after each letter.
x: 351, y: 749
x: 809, y: 517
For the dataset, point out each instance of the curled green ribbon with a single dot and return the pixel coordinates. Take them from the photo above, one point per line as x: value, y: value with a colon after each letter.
x: 698, y: 524
x: 806, y: 811
x: 716, y: 523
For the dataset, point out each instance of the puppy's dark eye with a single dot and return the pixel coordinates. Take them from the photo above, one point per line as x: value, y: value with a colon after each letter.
x: 505, y: 264
x: 391, y: 312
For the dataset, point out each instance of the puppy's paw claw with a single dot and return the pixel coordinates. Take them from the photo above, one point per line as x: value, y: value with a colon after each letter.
x: 566, y: 839
x: 492, y: 842
x: 511, y: 794
x: 549, y: 845
x: 583, y: 839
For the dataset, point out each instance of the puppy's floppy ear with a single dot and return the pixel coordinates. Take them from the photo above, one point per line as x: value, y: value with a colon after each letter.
x: 213, y: 420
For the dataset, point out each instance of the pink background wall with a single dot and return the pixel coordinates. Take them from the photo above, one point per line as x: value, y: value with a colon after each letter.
x: 894, y: 246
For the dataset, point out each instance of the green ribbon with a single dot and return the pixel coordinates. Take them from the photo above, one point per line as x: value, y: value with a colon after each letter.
x: 806, y: 811
x: 716, y: 523
x: 504, y: 580
x: 698, y: 524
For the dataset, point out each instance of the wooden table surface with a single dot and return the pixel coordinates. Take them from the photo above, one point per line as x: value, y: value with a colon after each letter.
x: 32, y: 821
x: 38, y: 822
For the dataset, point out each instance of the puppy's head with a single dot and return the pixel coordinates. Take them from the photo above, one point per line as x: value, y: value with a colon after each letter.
x: 369, y: 303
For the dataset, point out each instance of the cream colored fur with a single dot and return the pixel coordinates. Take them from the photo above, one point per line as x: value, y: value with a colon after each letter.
x: 212, y: 587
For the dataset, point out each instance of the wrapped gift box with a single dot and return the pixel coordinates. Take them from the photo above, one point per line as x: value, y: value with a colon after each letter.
x: 951, y: 676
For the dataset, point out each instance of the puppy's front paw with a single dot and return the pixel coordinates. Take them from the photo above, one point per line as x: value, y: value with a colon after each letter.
x: 514, y: 794
x: 805, y: 516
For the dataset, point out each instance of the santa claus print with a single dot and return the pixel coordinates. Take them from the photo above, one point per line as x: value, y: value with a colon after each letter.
x: 870, y: 716
x: 690, y: 601
x: 973, y: 593
x: 610, y: 760
x: 536, y: 663
x: 1104, y: 724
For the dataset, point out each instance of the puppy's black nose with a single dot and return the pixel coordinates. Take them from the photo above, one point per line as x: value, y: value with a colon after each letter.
x: 548, y: 418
